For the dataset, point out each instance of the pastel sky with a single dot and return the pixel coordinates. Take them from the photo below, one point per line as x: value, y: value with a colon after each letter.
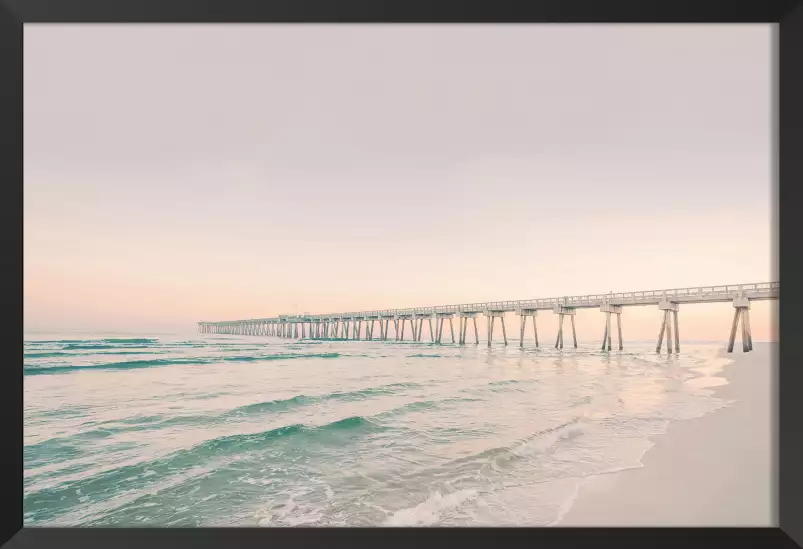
x: 177, y: 173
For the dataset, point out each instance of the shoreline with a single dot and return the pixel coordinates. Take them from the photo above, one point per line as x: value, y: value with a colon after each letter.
x: 715, y: 470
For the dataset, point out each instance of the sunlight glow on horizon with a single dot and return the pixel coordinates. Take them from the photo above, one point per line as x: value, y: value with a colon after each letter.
x: 217, y: 173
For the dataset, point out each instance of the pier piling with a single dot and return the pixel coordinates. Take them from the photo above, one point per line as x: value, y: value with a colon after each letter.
x: 465, y: 316
x: 524, y: 314
x: 492, y: 315
x: 741, y: 311
x: 521, y: 336
x: 490, y: 330
x: 670, y: 310
x: 607, y: 340
x: 562, y: 311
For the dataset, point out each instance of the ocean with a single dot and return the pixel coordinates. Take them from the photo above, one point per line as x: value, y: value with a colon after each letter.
x: 213, y: 430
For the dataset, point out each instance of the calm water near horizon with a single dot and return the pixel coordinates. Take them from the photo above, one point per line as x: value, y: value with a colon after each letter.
x: 190, y: 430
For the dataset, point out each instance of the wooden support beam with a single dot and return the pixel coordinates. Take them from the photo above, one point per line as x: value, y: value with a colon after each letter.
x: 560, y: 328
x: 745, y: 346
x: 677, y: 331
x: 661, y: 334
x: 746, y: 321
x: 668, y: 332
x: 490, y: 330
x: 737, y: 311
x: 523, y: 325
x: 535, y: 330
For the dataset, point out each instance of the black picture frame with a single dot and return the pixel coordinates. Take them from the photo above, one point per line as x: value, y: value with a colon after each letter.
x: 789, y: 123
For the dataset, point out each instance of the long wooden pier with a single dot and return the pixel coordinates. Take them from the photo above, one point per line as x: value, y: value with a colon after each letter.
x: 361, y: 324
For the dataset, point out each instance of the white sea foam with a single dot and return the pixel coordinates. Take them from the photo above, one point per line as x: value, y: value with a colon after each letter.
x: 543, y: 443
x: 429, y: 511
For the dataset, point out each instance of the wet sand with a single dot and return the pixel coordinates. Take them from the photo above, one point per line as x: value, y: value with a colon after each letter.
x: 717, y: 470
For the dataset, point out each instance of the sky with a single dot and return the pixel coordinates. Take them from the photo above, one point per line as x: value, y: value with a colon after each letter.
x: 178, y: 173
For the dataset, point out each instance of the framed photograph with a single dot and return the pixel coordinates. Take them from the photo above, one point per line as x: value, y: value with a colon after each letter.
x: 334, y: 274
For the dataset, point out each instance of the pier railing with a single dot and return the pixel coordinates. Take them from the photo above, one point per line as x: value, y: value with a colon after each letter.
x: 701, y: 294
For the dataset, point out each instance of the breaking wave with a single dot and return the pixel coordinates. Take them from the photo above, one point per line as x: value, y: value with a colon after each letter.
x: 41, y: 369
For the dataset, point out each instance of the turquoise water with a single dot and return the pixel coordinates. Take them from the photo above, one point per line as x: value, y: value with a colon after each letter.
x: 168, y: 430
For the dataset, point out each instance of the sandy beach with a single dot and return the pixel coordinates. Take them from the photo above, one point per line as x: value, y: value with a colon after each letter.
x: 717, y: 470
